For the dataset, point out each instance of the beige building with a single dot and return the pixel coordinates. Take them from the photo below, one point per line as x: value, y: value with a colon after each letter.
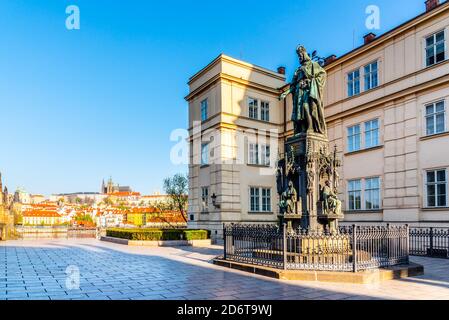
x: 386, y: 108
x: 233, y: 107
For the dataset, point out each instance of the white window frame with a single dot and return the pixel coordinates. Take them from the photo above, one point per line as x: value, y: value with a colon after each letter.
x: 435, y: 45
x: 264, y: 111
x: 204, y: 109
x: 205, y: 154
x: 434, y: 115
x: 204, y: 201
x: 260, y: 196
x: 353, y: 82
x: 371, y: 131
x: 258, y: 109
x: 363, y: 192
x: 370, y: 75
x: 371, y: 191
x: 349, y: 192
x: 251, y: 196
x: 253, y: 108
x: 258, y: 155
x: 426, y: 184
x: 253, y: 153
x: 353, y: 137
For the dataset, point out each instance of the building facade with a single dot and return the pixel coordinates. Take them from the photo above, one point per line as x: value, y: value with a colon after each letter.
x: 386, y: 107
x: 235, y: 125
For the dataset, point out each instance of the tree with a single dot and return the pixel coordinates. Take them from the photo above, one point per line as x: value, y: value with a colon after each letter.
x: 176, y: 188
x: 108, y: 201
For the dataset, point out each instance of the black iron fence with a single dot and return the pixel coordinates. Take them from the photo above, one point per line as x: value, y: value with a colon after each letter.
x: 430, y: 242
x: 352, y: 249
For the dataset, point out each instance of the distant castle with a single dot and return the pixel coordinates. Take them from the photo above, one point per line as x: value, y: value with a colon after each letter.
x: 111, y: 187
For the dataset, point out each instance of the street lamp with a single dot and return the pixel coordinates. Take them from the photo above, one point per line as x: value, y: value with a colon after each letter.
x: 214, y: 201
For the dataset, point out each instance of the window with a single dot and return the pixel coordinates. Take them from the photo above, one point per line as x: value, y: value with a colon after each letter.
x: 260, y: 199
x: 265, y: 155
x: 254, y: 199
x: 266, y: 200
x: 354, y: 138
x: 253, y: 153
x: 204, y: 107
x: 372, y: 193
x: 204, y: 154
x: 353, y: 83
x: 204, y: 199
x: 264, y: 111
x: 372, y: 133
x: 371, y: 76
x: 436, y: 186
x: 253, y: 108
x: 355, y: 195
x: 435, y: 48
x: 259, y: 155
x: 435, y: 118
x: 253, y: 105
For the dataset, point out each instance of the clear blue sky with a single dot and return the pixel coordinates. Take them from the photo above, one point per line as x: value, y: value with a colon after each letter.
x: 77, y: 106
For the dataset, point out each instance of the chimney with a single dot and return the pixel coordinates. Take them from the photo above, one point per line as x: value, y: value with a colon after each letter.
x: 281, y: 70
x: 369, y: 37
x: 431, y: 4
x: 330, y: 59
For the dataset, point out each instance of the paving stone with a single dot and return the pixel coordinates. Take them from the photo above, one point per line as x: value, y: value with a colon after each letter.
x: 36, y: 270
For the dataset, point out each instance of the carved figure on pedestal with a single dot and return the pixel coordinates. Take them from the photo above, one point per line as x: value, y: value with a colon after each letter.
x: 290, y: 196
x: 331, y: 203
x: 280, y: 176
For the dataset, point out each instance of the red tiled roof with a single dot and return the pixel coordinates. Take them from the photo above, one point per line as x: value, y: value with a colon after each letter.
x: 41, y: 213
x: 124, y: 194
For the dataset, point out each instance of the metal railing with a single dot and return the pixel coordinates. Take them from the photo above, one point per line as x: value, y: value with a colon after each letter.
x: 351, y: 249
x: 54, y: 232
x: 430, y: 242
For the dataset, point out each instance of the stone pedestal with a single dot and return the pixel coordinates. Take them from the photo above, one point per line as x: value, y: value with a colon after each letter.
x: 309, y: 164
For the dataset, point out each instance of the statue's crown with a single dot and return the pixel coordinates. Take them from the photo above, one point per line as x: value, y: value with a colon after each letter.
x: 300, y: 48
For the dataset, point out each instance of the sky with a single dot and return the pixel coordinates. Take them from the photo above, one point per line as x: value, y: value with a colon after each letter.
x: 77, y: 106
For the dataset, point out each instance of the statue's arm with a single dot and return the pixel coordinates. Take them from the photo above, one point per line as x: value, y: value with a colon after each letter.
x: 292, y: 87
x: 285, y: 93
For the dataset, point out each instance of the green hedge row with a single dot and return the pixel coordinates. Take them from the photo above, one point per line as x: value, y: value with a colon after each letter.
x: 158, y: 234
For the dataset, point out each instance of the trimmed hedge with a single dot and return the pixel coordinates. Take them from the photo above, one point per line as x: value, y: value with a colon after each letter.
x: 158, y: 234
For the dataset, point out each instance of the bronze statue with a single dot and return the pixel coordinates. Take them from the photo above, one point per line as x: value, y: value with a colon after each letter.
x: 307, y: 91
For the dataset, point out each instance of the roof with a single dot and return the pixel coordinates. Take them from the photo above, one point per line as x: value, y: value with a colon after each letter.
x: 41, y: 214
x: 390, y: 34
x: 124, y: 194
x: 156, y: 196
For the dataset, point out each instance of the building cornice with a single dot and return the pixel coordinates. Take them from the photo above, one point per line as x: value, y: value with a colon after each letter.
x: 232, y: 79
x: 225, y: 58
x: 426, y: 16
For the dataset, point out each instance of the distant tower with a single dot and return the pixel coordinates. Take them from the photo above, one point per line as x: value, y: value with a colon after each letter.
x: 103, y: 187
x: 1, y: 189
x: 6, y: 197
x: 110, y: 187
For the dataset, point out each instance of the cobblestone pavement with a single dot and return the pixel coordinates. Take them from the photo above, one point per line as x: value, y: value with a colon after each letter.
x: 36, y: 270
